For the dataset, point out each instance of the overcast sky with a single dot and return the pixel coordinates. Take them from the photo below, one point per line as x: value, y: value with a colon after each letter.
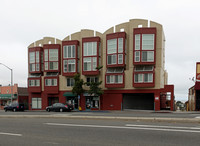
x: 25, y: 21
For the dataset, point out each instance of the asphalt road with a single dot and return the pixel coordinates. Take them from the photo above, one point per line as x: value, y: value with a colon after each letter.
x: 84, y: 132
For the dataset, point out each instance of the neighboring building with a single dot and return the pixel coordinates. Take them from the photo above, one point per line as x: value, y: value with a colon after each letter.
x: 133, y: 75
x: 19, y: 94
x: 194, y: 92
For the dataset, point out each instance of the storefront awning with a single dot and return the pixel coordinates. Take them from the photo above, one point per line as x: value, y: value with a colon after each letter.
x: 69, y: 94
x: 7, y: 96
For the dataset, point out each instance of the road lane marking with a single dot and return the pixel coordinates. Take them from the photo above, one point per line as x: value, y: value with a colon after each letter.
x: 10, y: 134
x: 123, y: 127
x: 158, y: 126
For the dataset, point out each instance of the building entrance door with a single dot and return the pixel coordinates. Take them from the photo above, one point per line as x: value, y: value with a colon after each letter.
x: 73, y: 101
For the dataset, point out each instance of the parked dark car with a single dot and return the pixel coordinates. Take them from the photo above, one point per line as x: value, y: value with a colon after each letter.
x: 60, y: 107
x: 14, y: 107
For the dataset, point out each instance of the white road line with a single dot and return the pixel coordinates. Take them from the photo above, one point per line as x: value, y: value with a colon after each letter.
x: 10, y: 134
x: 122, y: 127
x: 157, y: 126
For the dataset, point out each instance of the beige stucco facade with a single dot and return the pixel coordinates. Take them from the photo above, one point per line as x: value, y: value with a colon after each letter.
x: 161, y: 75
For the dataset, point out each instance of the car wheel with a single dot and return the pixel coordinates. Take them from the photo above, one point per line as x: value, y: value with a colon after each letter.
x: 14, y: 110
x: 5, y: 110
x: 48, y: 110
x: 61, y: 110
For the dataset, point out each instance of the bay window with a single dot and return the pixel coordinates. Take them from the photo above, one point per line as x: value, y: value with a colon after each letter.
x: 90, y: 55
x: 144, y: 74
x: 115, y: 51
x: 33, y: 83
x: 50, y: 82
x: 51, y: 59
x: 144, y: 45
x: 70, y: 57
x: 34, y: 61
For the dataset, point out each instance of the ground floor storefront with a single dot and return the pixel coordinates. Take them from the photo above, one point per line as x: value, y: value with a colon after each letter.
x: 141, y: 99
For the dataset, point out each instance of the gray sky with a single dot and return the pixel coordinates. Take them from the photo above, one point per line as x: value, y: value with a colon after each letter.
x: 25, y: 21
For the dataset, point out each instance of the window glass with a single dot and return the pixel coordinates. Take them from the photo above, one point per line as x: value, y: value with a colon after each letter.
x: 137, y: 42
x: 137, y: 56
x: 70, y: 82
x: 37, y: 57
x: 120, y: 45
x: 112, y: 46
x: 94, y: 63
x: 148, y: 42
x: 90, y: 48
x: 71, y: 65
x: 36, y: 103
x: 120, y: 58
x: 32, y: 57
x: 147, y: 56
x: 46, y: 55
x: 53, y: 54
x: 87, y: 64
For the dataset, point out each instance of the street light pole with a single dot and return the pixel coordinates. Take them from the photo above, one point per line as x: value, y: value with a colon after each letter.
x: 11, y: 79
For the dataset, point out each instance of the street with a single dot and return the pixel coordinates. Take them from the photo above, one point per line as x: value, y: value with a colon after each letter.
x: 63, y: 131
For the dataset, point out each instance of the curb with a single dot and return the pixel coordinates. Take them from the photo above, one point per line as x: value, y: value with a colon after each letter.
x: 106, y: 118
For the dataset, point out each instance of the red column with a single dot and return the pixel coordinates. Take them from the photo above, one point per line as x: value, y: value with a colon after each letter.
x: 156, y: 102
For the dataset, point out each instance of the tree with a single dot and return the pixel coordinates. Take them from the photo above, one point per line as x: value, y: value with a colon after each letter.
x: 78, y: 85
x: 94, y: 86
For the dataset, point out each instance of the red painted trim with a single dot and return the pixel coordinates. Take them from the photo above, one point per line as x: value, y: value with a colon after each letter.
x: 66, y: 43
x: 141, y: 31
x: 115, y: 85
x: 116, y: 36
x: 90, y: 39
x: 34, y: 49
x: 52, y: 46
x: 197, y: 74
x: 141, y: 85
x: 35, y: 89
x: 51, y: 89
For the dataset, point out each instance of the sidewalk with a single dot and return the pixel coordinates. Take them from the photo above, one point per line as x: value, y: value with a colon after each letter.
x: 136, y: 115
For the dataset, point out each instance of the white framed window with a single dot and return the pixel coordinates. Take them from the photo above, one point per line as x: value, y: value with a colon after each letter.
x: 70, y: 82
x: 32, y: 67
x: 112, y: 46
x: 90, y: 49
x: 31, y: 57
x: 120, y: 45
x: 37, y: 56
x: 53, y: 54
x: 50, y: 82
x: 148, y: 78
x: 114, y: 79
x: 46, y: 58
x: 147, y: 41
x: 137, y: 42
x: 69, y: 65
x: 53, y: 65
x: 112, y: 59
x: 143, y: 78
x: 120, y: 58
x: 137, y: 56
x: 69, y: 51
x: 147, y: 56
x: 33, y: 83
x: 87, y: 64
x: 36, y: 103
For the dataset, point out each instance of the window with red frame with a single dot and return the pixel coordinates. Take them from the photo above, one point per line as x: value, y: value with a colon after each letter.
x: 34, y: 83
x: 144, y: 48
x: 114, y: 76
x: 115, y: 51
x: 51, y: 59
x: 89, y: 56
x: 143, y: 74
x: 69, y: 58
x: 34, y: 61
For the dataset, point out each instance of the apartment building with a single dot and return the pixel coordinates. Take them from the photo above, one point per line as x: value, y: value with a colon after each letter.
x: 133, y: 75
